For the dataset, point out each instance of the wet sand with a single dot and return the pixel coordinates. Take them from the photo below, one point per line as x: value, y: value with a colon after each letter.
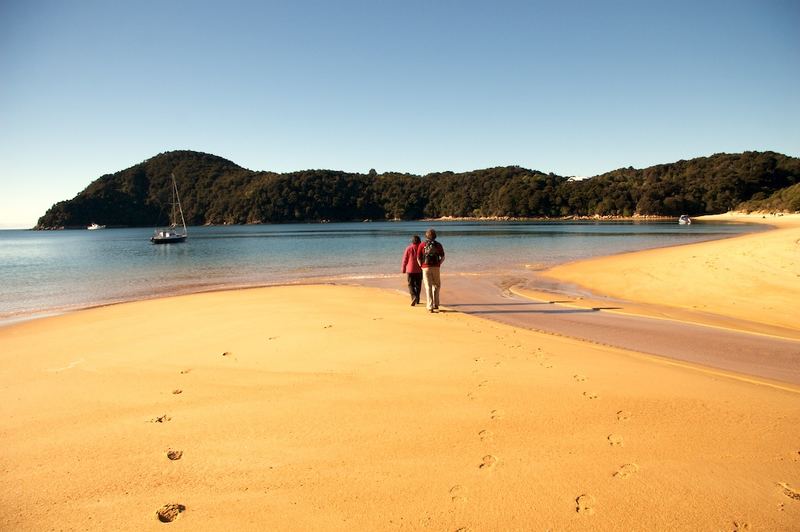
x: 505, y: 299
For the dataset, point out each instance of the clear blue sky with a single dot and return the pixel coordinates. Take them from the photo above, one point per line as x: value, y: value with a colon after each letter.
x: 575, y: 88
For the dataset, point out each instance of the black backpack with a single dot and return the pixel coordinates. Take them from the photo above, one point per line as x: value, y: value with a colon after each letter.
x: 431, y: 253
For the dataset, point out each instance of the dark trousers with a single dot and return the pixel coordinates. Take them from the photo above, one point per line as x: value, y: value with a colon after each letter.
x: 414, y: 285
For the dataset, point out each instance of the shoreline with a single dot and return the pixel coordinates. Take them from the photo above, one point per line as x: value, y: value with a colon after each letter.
x: 25, y: 315
x: 569, y: 218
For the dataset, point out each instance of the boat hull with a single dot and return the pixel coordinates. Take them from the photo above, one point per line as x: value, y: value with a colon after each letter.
x: 167, y: 239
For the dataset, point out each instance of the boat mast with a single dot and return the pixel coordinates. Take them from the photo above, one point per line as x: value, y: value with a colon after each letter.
x: 176, y: 199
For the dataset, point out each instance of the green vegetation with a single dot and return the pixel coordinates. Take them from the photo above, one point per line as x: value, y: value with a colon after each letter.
x: 785, y: 200
x: 706, y: 185
x: 217, y: 191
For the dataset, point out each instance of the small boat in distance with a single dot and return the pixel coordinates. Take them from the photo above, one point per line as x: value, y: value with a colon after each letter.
x: 95, y: 227
x: 172, y: 234
x: 685, y: 220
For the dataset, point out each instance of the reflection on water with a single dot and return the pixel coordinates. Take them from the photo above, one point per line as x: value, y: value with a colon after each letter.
x: 41, y: 271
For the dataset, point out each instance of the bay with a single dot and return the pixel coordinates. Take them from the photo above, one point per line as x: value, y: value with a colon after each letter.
x: 51, y: 271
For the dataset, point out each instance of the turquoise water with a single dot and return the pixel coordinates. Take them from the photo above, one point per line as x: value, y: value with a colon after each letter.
x: 42, y: 271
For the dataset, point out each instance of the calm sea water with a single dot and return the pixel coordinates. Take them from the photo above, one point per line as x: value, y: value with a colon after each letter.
x: 42, y: 271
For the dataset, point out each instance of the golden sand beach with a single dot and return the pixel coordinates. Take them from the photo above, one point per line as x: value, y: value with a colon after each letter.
x: 342, y: 408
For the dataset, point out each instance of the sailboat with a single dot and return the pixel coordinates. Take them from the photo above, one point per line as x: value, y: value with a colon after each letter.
x: 172, y: 234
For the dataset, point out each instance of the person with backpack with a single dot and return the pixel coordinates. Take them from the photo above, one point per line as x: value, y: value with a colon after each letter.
x: 412, y: 269
x: 430, y: 255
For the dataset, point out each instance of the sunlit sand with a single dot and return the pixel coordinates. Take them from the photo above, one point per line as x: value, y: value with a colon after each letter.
x: 753, y: 278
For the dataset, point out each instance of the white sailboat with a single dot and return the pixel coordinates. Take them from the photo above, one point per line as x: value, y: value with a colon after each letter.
x: 172, y: 234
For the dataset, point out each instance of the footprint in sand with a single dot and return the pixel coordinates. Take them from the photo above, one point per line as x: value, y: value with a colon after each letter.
x: 545, y: 364
x: 482, y: 384
x: 615, y: 440
x: 486, y: 435
x: 591, y: 395
x: 327, y: 326
x: 789, y: 492
x: 185, y: 371
x: 622, y: 415
x: 174, y: 455
x: 741, y: 526
x: 458, y: 493
x: 227, y: 354
x: 477, y: 359
x: 170, y: 512
x: 472, y: 396
x: 176, y: 391
x: 626, y: 471
x: 488, y: 462
x: 579, y: 378
x: 586, y: 504
x: 160, y: 419
x: 496, y: 414
x: 272, y: 338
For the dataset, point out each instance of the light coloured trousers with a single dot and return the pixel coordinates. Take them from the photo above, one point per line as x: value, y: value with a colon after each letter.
x: 433, y: 285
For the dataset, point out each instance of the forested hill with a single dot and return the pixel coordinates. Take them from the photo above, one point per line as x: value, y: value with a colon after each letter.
x: 217, y: 191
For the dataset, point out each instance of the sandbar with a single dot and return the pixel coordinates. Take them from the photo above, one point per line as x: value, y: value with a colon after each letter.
x: 749, y: 282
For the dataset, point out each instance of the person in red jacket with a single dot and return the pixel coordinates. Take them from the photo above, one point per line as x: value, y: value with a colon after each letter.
x: 412, y: 269
x: 430, y: 255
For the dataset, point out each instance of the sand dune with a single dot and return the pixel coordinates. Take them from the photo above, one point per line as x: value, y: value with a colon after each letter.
x: 342, y: 408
